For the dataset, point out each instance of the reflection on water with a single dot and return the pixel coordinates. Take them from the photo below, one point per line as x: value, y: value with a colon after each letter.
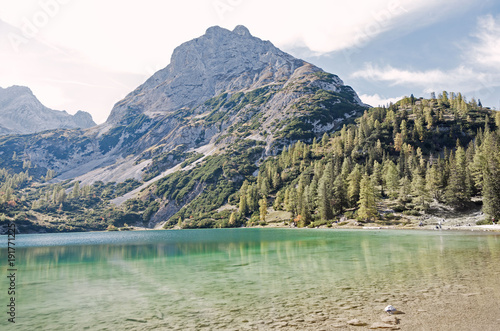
x: 244, y: 278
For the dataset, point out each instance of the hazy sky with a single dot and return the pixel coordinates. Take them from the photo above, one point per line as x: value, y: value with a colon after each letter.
x: 88, y: 54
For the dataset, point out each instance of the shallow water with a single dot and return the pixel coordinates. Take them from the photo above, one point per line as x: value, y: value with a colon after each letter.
x: 241, y: 278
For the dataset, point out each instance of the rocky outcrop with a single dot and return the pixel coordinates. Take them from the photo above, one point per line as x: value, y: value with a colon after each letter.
x: 22, y: 113
x: 169, y: 208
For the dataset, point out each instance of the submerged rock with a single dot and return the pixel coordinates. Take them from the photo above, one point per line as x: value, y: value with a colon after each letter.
x: 356, y: 322
x: 391, y: 319
x: 139, y: 320
x: 382, y: 325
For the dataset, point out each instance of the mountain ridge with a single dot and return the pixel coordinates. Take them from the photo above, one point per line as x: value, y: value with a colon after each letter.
x: 22, y: 113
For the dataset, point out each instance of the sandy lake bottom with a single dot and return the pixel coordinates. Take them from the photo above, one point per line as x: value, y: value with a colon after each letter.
x: 257, y: 279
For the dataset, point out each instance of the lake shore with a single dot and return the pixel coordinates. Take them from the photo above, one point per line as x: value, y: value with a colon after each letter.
x: 449, y: 225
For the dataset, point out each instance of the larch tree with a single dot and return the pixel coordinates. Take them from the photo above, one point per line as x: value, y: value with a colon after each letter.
x: 263, y: 208
x: 491, y: 177
x: 391, y: 178
x: 404, y: 189
x: 433, y: 182
x: 305, y: 212
x: 243, y: 206
x: 457, y: 193
x: 354, y: 180
x: 232, y: 219
x: 75, y: 193
x: 367, y: 204
x: 340, y: 200
x: 324, y: 207
x: 419, y: 192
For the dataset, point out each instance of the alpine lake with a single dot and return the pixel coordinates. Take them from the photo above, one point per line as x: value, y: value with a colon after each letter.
x: 254, y: 279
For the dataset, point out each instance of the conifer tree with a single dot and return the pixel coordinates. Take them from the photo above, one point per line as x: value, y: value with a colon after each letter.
x: 75, y: 193
x: 491, y: 189
x: 377, y: 177
x: 324, y: 207
x: 404, y: 131
x: 325, y: 192
x: 346, y: 168
x: 232, y: 219
x: 404, y: 189
x: 286, y: 200
x: 276, y: 180
x: 433, y: 182
x: 305, y: 212
x: 398, y: 142
x: 354, y: 180
x: 419, y: 192
x: 312, y: 193
x: 264, y: 188
x: 340, y: 200
x: 491, y: 177
x: 324, y: 140
x: 278, y: 202
x: 263, y: 208
x: 457, y: 192
x: 253, y: 197
x: 391, y: 178
x: 367, y: 205
x: 243, y: 206
x: 292, y: 202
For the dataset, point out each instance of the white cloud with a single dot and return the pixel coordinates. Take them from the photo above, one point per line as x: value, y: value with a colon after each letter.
x: 461, y: 77
x: 486, y: 50
x: 326, y: 26
x: 376, y: 100
x: 479, y: 73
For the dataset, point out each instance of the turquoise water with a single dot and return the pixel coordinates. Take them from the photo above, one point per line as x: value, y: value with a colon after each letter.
x: 238, y: 278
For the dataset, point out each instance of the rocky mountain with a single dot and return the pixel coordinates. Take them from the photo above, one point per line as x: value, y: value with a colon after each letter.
x: 224, y: 93
x: 221, y: 61
x: 22, y: 113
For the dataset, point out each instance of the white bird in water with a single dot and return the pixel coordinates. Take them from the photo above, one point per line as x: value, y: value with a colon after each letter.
x: 390, y: 309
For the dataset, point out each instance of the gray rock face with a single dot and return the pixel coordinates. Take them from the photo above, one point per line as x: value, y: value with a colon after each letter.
x: 181, y: 100
x: 219, y: 61
x: 21, y: 113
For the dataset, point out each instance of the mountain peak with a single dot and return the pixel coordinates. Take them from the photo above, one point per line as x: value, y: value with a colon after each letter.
x: 21, y: 112
x: 16, y: 90
x: 241, y: 30
x: 218, y: 61
x: 217, y: 30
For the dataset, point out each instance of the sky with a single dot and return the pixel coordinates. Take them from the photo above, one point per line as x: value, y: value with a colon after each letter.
x: 88, y: 54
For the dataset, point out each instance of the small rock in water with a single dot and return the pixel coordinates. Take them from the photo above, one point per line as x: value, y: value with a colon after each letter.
x: 356, y: 322
x: 136, y: 320
x: 391, y: 319
x: 159, y: 314
x: 381, y: 325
